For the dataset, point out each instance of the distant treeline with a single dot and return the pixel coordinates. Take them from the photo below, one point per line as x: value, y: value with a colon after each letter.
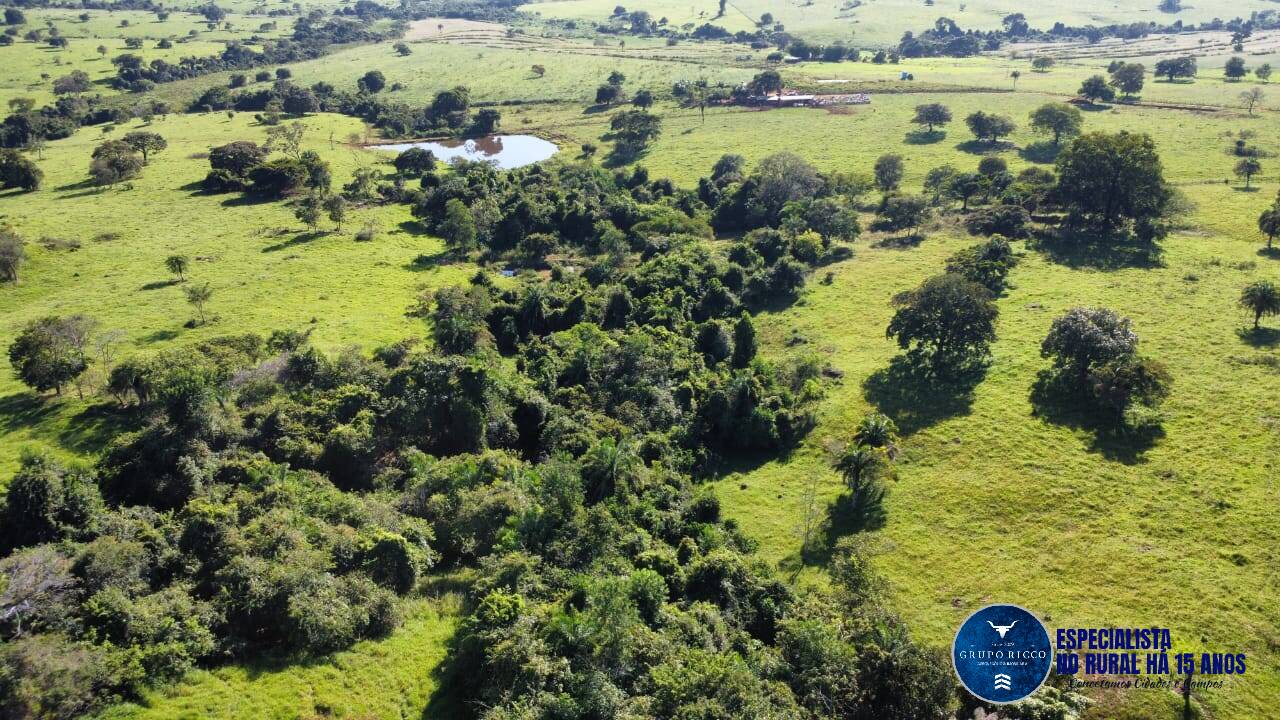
x: 946, y: 37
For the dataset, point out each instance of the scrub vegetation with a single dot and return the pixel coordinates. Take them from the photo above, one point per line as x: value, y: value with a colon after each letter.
x: 725, y: 410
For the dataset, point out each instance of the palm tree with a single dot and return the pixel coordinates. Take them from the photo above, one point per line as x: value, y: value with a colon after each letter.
x: 1261, y: 298
x: 1269, y: 222
x: 878, y: 431
x: 178, y: 264
x: 860, y: 465
x: 608, y: 463
x: 198, y: 295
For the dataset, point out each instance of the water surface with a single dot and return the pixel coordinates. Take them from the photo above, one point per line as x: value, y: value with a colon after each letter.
x: 505, y: 151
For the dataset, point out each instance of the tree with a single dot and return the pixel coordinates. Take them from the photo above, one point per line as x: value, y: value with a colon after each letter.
x: 145, y: 143
x: 1262, y: 298
x: 963, y: 186
x: 768, y: 82
x: 1106, y: 178
x: 1247, y: 168
x: 458, y: 228
x: 744, y: 341
x: 18, y: 171
x: 178, y: 264
x: 608, y: 94
x: 538, y: 70
x: 877, y: 430
x: 1251, y: 97
x: 860, y: 466
x: 932, y: 114
x: 948, y: 320
x: 1096, y: 88
x: 616, y: 78
x: 72, y: 84
x: 114, y: 161
x: 904, y: 213
x: 1086, y: 338
x: 1269, y: 223
x: 1057, y: 119
x: 286, y: 139
x: 372, y: 82
x: 336, y: 207
x: 402, y: 49
x: 1235, y: 68
x: 1263, y: 72
x: 12, y: 254
x: 486, y: 122
x: 198, y: 296
x: 633, y: 130
x: 1042, y: 63
x: 989, y: 126
x: 415, y: 161
x: 308, y: 211
x: 1173, y: 68
x: 14, y: 16
x: 1129, y: 78
x: 643, y: 100
x: 49, y: 352
x: 888, y: 171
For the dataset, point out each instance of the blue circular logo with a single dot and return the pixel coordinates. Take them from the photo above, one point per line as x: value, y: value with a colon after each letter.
x: 1002, y: 653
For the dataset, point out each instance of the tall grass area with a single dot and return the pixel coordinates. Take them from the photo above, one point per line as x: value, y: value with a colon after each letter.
x: 266, y: 269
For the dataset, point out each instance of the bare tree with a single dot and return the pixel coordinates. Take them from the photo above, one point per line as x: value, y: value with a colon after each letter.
x: 34, y: 579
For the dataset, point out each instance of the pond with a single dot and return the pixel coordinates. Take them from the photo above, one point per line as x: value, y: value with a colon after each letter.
x: 505, y: 151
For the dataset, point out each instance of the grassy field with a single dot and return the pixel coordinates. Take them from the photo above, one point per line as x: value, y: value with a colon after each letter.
x: 880, y: 23
x: 267, y: 271
x: 24, y: 65
x: 384, y: 680
x: 989, y: 501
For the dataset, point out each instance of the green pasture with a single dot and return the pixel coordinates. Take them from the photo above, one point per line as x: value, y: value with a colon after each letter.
x: 28, y: 69
x: 989, y: 501
x: 385, y: 679
x: 266, y: 269
x: 880, y: 23
x: 507, y: 74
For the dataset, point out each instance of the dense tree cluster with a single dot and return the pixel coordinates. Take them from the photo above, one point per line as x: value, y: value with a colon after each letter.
x: 278, y: 497
x: 1096, y: 362
x: 245, y: 165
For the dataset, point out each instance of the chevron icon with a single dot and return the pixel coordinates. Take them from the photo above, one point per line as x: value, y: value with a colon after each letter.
x: 1003, y: 682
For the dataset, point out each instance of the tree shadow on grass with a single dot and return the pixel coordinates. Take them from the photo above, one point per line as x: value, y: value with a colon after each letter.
x: 1055, y: 400
x: 899, y: 242
x: 299, y: 239
x: 246, y: 199
x: 1262, y: 337
x: 433, y: 261
x: 413, y: 227
x: 845, y: 516
x: 24, y: 410
x: 917, y: 398
x: 983, y: 147
x: 924, y: 137
x: 89, y: 430
x: 1271, y: 253
x: 1040, y: 152
x: 159, y: 336
x: 1099, y: 250
x: 159, y: 284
